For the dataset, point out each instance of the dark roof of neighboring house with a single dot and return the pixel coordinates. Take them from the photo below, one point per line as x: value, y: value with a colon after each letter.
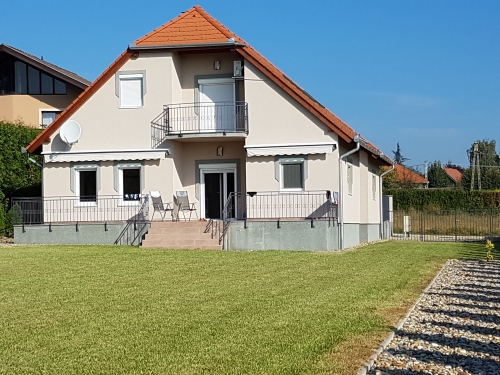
x: 454, y: 174
x: 407, y: 175
x: 196, y: 29
x: 55, y: 70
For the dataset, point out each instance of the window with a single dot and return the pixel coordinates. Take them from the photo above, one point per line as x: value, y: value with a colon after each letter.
x: 128, y: 181
x: 131, y: 90
x: 48, y: 117
x: 86, y: 184
x: 374, y: 184
x: 349, y: 176
x: 292, y: 174
x: 30, y: 80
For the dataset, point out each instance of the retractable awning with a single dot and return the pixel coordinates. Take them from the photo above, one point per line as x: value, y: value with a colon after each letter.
x: 64, y: 157
x: 291, y: 149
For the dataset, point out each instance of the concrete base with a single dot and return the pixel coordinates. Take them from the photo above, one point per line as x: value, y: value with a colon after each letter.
x: 116, y: 233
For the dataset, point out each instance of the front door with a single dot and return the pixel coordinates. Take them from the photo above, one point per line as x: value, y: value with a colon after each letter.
x: 216, y: 186
x: 216, y: 111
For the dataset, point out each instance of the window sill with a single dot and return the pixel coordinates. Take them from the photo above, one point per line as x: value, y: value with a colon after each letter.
x: 139, y: 107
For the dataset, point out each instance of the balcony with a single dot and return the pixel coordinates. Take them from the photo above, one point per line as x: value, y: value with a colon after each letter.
x: 196, y: 120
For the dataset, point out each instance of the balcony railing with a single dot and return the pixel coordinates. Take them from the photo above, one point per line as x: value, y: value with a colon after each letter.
x: 281, y: 205
x: 199, y: 118
x: 96, y: 209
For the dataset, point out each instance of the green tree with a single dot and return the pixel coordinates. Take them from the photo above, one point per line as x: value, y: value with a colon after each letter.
x: 437, y: 177
x: 398, y: 157
x: 489, y: 162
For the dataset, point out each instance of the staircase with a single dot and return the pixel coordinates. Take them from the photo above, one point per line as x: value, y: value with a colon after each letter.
x: 180, y: 235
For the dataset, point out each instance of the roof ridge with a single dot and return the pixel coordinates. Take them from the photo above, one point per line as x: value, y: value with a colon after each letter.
x: 169, y: 23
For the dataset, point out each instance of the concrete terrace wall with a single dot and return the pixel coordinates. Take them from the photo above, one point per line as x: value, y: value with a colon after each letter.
x: 90, y: 234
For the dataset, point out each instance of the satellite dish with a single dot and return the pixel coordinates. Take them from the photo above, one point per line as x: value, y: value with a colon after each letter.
x: 70, y: 132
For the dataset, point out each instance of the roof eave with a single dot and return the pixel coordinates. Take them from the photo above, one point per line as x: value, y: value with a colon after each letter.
x: 134, y: 47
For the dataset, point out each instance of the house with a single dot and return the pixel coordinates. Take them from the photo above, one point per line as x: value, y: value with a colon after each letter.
x: 32, y: 90
x: 409, y: 178
x: 191, y: 107
x: 454, y: 174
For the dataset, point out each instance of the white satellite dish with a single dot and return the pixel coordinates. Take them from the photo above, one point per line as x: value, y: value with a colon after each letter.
x: 70, y: 132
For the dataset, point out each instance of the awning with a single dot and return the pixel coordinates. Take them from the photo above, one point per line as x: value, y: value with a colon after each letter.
x: 291, y: 149
x: 64, y: 157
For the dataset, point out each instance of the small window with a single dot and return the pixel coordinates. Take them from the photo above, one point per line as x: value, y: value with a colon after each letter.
x: 131, y: 182
x: 131, y: 93
x: 349, y: 176
x: 87, y: 185
x: 292, y: 175
x: 48, y: 117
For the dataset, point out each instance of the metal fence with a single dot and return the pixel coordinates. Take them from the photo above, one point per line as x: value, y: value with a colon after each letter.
x: 96, y: 209
x: 195, y: 118
x: 446, y: 225
x: 280, y: 205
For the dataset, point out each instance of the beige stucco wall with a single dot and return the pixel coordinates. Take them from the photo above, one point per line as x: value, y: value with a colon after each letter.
x: 28, y: 108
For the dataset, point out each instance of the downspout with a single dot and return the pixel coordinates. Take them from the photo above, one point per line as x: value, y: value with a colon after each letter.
x: 357, y: 139
x: 23, y: 150
x: 381, y: 203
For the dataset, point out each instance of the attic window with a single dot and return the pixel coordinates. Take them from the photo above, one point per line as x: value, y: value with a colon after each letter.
x: 131, y: 90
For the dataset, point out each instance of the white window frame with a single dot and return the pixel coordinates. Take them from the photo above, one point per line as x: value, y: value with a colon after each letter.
x: 131, y: 77
x: 121, y: 167
x: 300, y: 161
x: 48, y: 110
x: 350, y: 176
x: 78, y: 169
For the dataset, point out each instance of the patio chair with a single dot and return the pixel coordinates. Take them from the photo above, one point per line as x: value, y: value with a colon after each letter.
x: 159, y: 206
x: 184, y: 205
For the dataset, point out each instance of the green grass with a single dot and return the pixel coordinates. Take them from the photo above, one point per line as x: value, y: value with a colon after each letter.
x: 123, y: 310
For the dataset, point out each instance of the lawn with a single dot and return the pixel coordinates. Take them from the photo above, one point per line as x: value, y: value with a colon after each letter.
x: 123, y: 310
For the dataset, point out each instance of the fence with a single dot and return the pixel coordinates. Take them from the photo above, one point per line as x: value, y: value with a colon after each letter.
x: 280, y: 205
x: 80, y: 209
x: 450, y: 225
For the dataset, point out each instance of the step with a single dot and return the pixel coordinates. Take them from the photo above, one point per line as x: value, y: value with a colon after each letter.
x: 152, y: 235
x: 177, y: 230
x: 179, y: 224
x: 203, y: 245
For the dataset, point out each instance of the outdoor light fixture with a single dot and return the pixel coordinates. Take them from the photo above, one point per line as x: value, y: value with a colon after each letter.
x: 219, y: 151
x: 217, y: 65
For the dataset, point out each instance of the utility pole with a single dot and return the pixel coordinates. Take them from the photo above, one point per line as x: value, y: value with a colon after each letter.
x: 426, y: 174
x: 475, y: 165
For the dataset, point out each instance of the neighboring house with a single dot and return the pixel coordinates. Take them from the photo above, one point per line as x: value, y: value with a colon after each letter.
x: 192, y: 107
x: 408, y: 178
x: 454, y: 174
x: 32, y: 90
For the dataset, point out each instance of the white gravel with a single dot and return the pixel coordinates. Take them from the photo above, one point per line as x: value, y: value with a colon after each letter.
x: 453, y: 329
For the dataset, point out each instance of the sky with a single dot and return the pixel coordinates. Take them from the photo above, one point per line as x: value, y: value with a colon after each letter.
x: 422, y: 73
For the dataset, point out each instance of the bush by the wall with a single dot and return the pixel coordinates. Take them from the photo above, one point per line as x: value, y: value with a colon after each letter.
x: 18, y: 176
x: 439, y: 199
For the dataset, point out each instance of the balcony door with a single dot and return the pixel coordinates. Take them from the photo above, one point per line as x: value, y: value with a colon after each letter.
x: 217, y: 181
x: 217, y: 110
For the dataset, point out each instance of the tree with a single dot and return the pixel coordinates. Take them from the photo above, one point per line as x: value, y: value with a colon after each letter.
x: 437, y: 177
x: 398, y: 157
x: 489, y: 166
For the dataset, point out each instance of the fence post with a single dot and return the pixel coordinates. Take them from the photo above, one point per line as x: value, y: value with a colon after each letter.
x: 491, y: 223
x: 456, y: 227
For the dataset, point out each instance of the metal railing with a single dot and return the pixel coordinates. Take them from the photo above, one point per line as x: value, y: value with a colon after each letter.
x: 280, y: 205
x: 446, y: 225
x: 110, y: 208
x: 198, y: 118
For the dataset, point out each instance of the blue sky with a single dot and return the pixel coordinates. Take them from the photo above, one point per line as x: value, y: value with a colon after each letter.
x: 422, y: 73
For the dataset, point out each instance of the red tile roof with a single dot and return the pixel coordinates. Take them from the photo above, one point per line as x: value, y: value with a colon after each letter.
x: 455, y: 174
x: 407, y: 175
x: 197, y: 28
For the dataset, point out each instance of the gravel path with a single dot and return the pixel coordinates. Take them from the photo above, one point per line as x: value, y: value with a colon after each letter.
x: 454, y: 328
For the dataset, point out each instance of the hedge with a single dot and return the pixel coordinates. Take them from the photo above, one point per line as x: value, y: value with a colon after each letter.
x: 440, y: 199
x: 18, y: 176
